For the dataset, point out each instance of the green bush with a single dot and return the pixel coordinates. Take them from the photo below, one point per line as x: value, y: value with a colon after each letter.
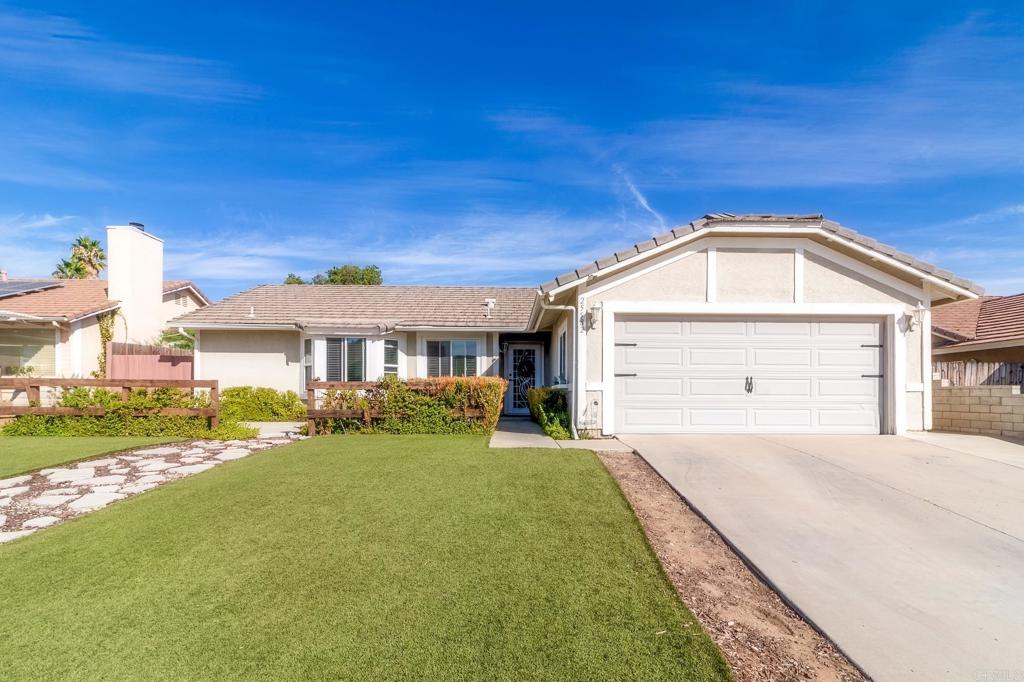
x: 549, y: 407
x: 258, y: 404
x: 120, y: 419
x: 428, y: 406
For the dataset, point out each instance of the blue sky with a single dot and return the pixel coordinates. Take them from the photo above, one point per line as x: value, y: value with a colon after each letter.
x: 454, y: 143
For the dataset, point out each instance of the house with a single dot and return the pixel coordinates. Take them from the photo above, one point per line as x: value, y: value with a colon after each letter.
x: 732, y: 323
x: 51, y: 327
x: 985, y: 329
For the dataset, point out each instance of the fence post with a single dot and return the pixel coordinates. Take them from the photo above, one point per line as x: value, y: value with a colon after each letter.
x: 215, y: 404
x: 33, y: 393
x: 310, y: 405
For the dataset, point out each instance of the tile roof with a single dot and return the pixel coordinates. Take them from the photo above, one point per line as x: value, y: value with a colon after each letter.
x: 780, y: 220
x: 173, y: 284
x: 72, y: 300
x: 985, y: 320
x: 356, y: 306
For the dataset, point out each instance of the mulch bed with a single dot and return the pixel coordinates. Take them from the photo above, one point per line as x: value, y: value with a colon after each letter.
x: 762, y: 638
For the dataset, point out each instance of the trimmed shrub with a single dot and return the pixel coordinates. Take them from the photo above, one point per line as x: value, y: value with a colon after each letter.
x: 428, y: 406
x: 549, y: 407
x: 120, y: 419
x: 259, y: 404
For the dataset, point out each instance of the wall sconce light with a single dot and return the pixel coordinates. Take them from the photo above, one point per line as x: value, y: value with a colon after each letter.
x: 914, y: 321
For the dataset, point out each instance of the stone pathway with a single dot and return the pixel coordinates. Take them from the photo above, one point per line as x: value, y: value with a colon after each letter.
x: 47, y: 497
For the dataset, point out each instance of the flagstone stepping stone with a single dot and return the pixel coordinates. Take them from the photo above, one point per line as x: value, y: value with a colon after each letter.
x: 63, y: 491
x: 157, y: 451
x: 68, y: 475
x: 14, y: 492
x: 192, y: 460
x: 52, y: 500
x: 136, y: 488
x: 41, y: 522
x: 152, y: 478
x: 157, y: 466
x: 129, y: 458
x: 114, y: 479
x: 4, y: 501
x: 3, y: 520
x: 14, y: 535
x: 191, y: 469
x: 97, y: 463
x: 192, y: 452
x: 232, y: 453
x: 11, y: 482
x: 106, y: 488
x: 119, y: 470
x: 94, y: 501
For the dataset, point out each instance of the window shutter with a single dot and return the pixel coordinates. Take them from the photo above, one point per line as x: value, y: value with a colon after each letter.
x: 355, y: 357
x: 439, y: 358
x: 335, y: 352
x: 470, y: 352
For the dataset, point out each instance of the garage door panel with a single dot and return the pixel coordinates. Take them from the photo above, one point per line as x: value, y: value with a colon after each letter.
x: 784, y: 328
x: 691, y: 375
x: 633, y: 387
x: 717, y: 417
x: 652, y: 357
x: 715, y: 386
x: 768, y: 358
x: 718, y: 358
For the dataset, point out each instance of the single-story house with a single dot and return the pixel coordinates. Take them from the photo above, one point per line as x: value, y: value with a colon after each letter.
x: 732, y: 323
x: 52, y: 326
x: 985, y: 329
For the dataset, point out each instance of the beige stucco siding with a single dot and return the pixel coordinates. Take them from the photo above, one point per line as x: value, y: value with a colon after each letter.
x: 90, y: 346
x: 827, y: 282
x: 760, y: 276
x: 178, y: 303
x: 251, y: 358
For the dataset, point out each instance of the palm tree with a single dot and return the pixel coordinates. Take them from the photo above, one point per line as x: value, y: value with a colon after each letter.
x: 71, y: 268
x: 90, y: 254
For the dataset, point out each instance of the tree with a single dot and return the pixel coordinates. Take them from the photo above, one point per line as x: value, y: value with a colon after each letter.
x: 90, y: 253
x: 86, y: 262
x: 174, y: 339
x: 343, y: 274
x: 71, y: 268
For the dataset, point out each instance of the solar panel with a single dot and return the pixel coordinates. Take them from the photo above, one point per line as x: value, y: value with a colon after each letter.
x: 17, y: 288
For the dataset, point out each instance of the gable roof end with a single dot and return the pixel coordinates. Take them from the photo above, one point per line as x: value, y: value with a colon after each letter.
x: 712, y: 220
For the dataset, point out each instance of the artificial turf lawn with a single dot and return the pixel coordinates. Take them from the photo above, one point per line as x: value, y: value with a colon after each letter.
x: 355, y: 557
x: 19, y: 454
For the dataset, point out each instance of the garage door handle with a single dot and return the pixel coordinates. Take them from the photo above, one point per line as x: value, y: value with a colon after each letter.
x: 871, y: 376
x: 624, y: 375
x: 871, y: 345
x: 631, y: 345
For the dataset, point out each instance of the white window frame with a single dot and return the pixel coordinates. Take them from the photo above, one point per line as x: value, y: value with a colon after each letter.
x: 344, y: 355
x: 398, y: 357
x: 481, y: 347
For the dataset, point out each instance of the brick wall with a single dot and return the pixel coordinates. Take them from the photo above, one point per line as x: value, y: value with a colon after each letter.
x: 988, y: 410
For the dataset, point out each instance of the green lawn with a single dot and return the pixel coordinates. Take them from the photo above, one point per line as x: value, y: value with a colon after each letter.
x: 351, y: 558
x: 20, y: 454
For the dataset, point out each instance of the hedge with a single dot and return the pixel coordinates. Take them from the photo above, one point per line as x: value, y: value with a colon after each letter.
x: 259, y: 404
x: 120, y: 420
x: 549, y: 407
x: 429, y: 406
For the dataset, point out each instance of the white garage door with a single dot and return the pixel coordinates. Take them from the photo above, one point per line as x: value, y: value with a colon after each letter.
x: 773, y: 375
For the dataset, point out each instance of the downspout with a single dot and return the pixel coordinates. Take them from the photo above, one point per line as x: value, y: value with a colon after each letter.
x: 575, y: 350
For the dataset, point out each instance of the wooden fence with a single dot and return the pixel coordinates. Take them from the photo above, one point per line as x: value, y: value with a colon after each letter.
x: 141, y: 361
x: 974, y: 373
x: 316, y: 390
x: 32, y: 387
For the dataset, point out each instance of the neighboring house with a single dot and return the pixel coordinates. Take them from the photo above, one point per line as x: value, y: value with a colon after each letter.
x: 986, y: 329
x: 53, y: 325
x: 732, y: 323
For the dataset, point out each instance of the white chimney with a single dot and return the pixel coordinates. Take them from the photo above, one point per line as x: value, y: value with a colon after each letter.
x: 135, y: 277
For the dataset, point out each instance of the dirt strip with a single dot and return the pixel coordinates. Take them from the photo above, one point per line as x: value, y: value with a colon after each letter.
x: 762, y: 638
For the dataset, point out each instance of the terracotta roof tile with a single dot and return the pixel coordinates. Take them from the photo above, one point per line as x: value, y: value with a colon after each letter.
x: 358, y: 306
x: 72, y: 300
x: 984, y: 320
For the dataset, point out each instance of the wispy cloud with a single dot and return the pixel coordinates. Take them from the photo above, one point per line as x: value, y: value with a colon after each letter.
x: 21, y: 222
x: 947, y: 107
x: 48, y: 49
x: 641, y: 200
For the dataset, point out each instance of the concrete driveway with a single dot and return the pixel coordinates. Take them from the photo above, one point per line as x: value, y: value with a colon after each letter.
x: 907, y: 552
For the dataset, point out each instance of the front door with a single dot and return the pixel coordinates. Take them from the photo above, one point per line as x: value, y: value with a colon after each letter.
x: 523, y: 371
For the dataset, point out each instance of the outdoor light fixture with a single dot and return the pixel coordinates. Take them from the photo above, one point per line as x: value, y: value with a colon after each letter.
x: 914, y: 321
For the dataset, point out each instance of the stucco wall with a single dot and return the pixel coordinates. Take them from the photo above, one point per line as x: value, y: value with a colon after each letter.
x: 251, y: 358
x: 177, y: 304
x: 89, y: 346
x: 763, y: 276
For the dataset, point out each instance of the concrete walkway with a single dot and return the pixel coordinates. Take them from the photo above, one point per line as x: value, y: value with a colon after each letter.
x: 906, y: 552
x: 520, y: 433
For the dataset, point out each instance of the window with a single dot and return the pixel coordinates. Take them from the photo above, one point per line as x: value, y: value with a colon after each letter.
x: 181, y: 298
x: 27, y: 348
x: 391, y: 357
x: 454, y: 357
x: 346, y: 359
x: 561, y: 357
x: 307, y: 359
